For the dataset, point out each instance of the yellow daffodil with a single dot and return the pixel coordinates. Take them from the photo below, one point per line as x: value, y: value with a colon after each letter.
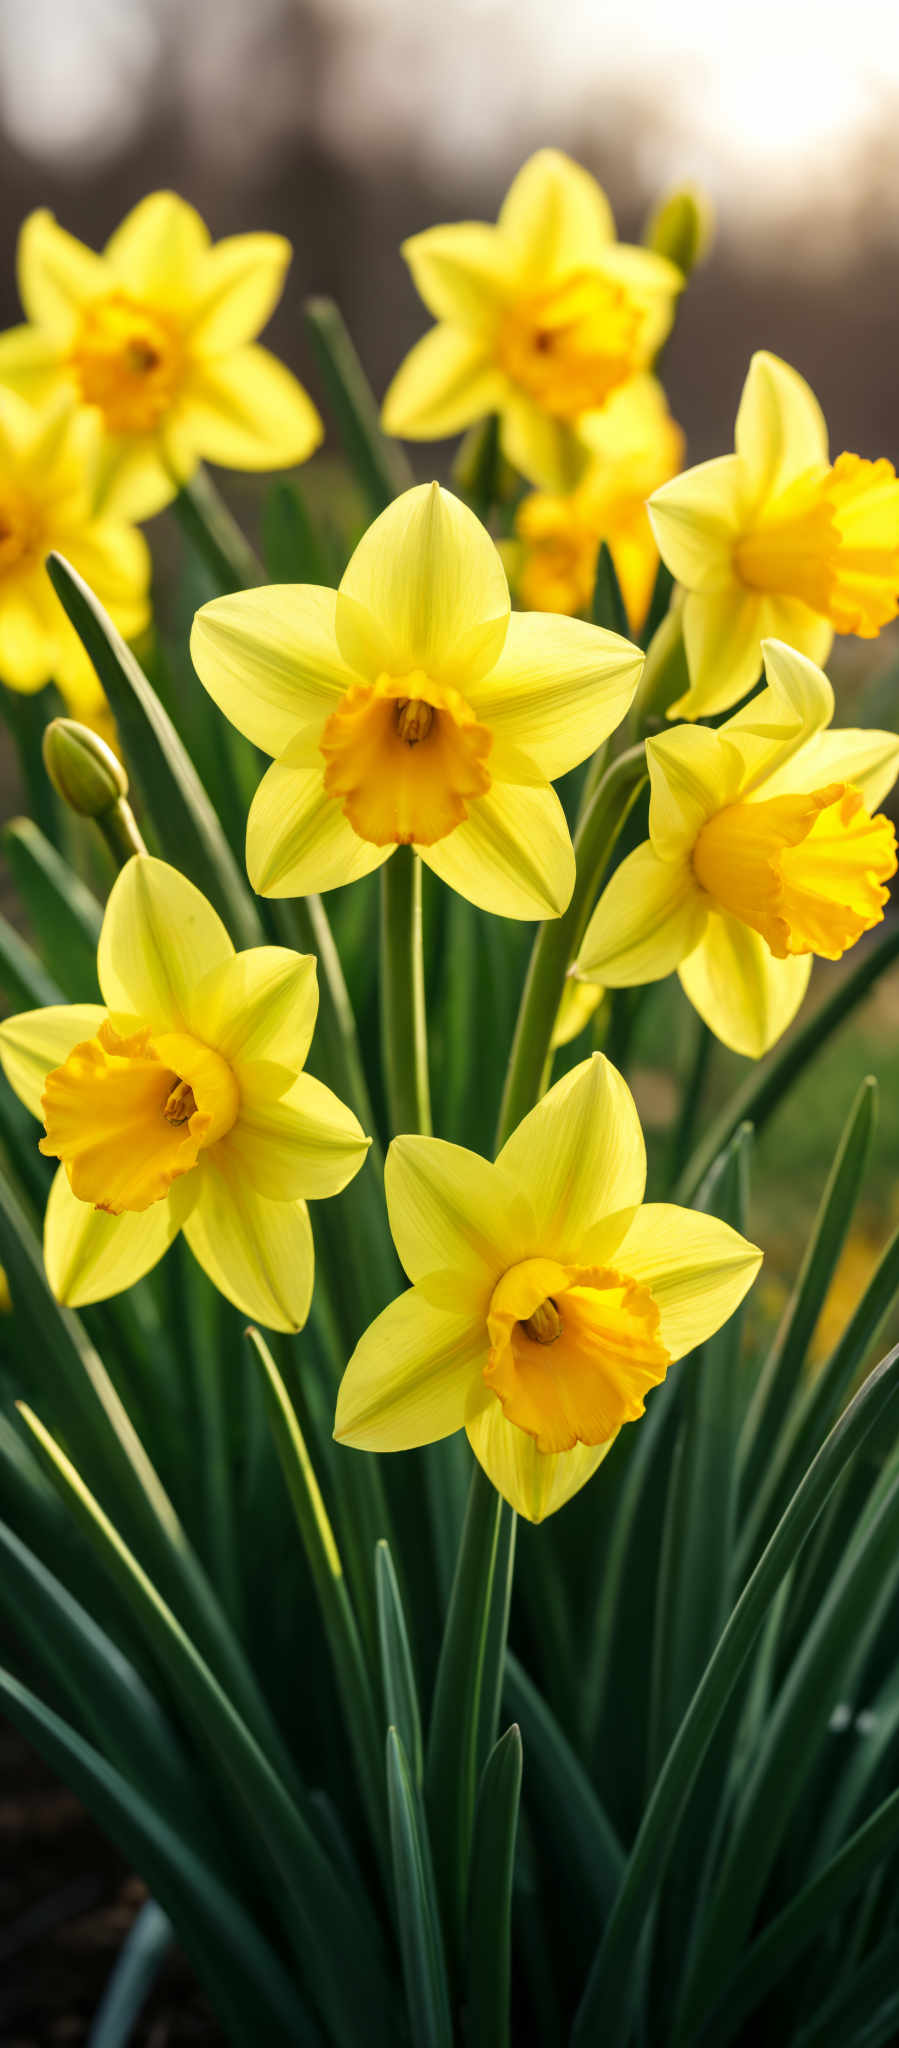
x: 540, y: 319
x: 634, y: 445
x: 156, y: 337
x: 411, y: 707
x: 547, y: 1297
x: 775, y: 540
x: 765, y: 848
x: 180, y: 1105
x: 48, y: 463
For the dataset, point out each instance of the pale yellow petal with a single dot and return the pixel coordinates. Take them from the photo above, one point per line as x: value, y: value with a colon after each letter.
x: 302, y: 1143
x: 409, y: 1378
x: 579, y: 1004
x: 450, y: 1210
x: 775, y: 726
x: 723, y: 644
x: 513, y: 854
x: 741, y: 992
x: 258, y: 1253
x: 781, y: 432
x: 579, y: 1156
x: 57, y: 274
x: 155, y: 252
x: 90, y: 1255
x: 236, y: 288
x: 448, y: 379
x: 36, y: 1041
x: 548, y: 451
x: 245, y: 410
x: 696, y: 518
x: 298, y: 840
x: 534, y: 1482
x: 692, y: 774
x: 559, y: 688
x: 431, y: 577
x: 555, y: 217
x: 31, y: 364
x: 868, y: 759
x: 136, y: 479
x: 26, y: 647
x: 159, y: 937
x: 114, y: 560
x: 270, y: 660
x: 697, y: 1268
x: 259, y: 1005
x: 463, y: 271
x: 648, y: 918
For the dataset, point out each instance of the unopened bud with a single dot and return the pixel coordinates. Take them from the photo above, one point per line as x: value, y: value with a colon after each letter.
x: 681, y: 228
x: 82, y: 768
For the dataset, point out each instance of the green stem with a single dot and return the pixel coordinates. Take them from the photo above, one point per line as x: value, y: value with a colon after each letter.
x: 691, y: 1099
x: 214, y: 534
x: 305, y: 925
x: 379, y: 464
x: 404, y: 1041
x: 557, y: 942
x: 121, y: 832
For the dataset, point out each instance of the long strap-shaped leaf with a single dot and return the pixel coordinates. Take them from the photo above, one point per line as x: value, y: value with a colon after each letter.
x: 605, y: 2005
x: 418, y: 1916
x: 397, y: 1670
x: 128, y: 1987
x: 576, y: 1833
x: 61, y: 908
x: 865, y: 2012
x: 488, y: 1975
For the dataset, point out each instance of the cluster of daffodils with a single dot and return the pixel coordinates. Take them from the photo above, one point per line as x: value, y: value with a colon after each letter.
x: 413, y: 707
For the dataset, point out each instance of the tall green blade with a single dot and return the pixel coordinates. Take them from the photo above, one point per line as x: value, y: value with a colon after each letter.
x: 418, y: 1917
x: 140, y: 1959
x: 488, y: 1976
x: 397, y: 1669
x: 62, y: 910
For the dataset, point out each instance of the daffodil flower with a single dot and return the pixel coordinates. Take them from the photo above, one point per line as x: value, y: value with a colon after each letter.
x: 410, y: 707
x: 540, y: 319
x: 180, y: 1105
x: 765, y: 849
x: 775, y: 541
x: 156, y: 337
x: 547, y: 1297
x: 48, y: 461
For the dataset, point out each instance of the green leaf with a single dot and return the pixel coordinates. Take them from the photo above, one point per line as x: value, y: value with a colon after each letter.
x: 404, y: 1038
x: 24, y: 981
x: 490, y: 1895
x: 865, y: 2012
x: 612, y: 1982
x: 577, y: 1838
x: 658, y: 603
x: 608, y: 608
x: 205, y: 520
x: 62, y: 910
x: 186, y: 825
x: 145, y: 1950
x: 293, y: 553
x: 421, y: 1945
x: 379, y: 464
x: 397, y: 1669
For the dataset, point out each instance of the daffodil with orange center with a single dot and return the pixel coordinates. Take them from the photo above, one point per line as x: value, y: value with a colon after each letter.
x: 156, y: 338
x: 541, y: 318
x: 411, y: 707
x: 548, y: 1298
x: 766, y: 848
x: 776, y: 541
x: 181, y: 1105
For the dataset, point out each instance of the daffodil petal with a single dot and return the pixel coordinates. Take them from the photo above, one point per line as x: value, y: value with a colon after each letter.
x: 512, y: 855
x: 408, y: 1380
x: 741, y: 992
x: 445, y: 382
x: 159, y: 937
x: 31, y: 365
x: 57, y: 274
x: 430, y: 575
x: 776, y: 726
x: 651, y: 914
x: 461, y: 270
x: 450, y: 1209
x: 722, y: 640
x: 555, y: 217
x: 90, y: 1255
x: 270, y: 660
x: 236, y: 289
x: 558, y: 689
x: 298, y: 840
x: 135, y: 477
x: 154, y: 252
x: 115, y: 560
x: 257, y: 1252
x: 26, y: 654
x: 246, y: 410
x: 259, y: 1005
x: 696, y: 519
x: 548, y: 451
x: 697, y: 1268
x: 303, y: 1142
x: 534, y: 1482
x: 692, y: 773
x: 579, y: 1155
x: 781, y: 432
x: 36, y: 1041
x: 867, y: 758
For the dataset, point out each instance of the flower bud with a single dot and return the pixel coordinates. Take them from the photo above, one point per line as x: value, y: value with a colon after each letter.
x: 82, y: 768
x: 681, y: 227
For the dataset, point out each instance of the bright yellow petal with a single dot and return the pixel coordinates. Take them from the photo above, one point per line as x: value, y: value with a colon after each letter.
x: 867, y: 759
x: 430, y: 575
x: 57, y: 274
x: 246, y: 410
x: 723, y: 643
x: 555, y: 217
x: 135, y: 478
x: 696, y: 519
x: 742, y: 993
x: 698, y: 1270
x: 579, y: 1156
x: 259, y: 1005
x: 26, y: 648
x: 558, y: 689
x: 579, y: 1004
x: 650, y: 915
x: 36, y: 1041
x: 462, y: 271
x: 303, y: 1143
x: 775, y: 727
x: 548, y: 451
x: 534, y: 1482
x: 115, y: 560
x: 692, y: 774
x: 258, y: 1253
x: 298, y: 840
x: 270, y: 660
x: 453, y: 1212
x: 236, y: 289
x: 90, y: 1255
x: 155, y: 252
x: 513, y: 854
x: 781, y: 432
x: 159, y: 937
x: 445, y: 382
x: 409, y: 1378
x: 31, y: 364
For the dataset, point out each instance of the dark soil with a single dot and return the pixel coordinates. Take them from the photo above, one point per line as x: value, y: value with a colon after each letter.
x: 67, y: 1901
